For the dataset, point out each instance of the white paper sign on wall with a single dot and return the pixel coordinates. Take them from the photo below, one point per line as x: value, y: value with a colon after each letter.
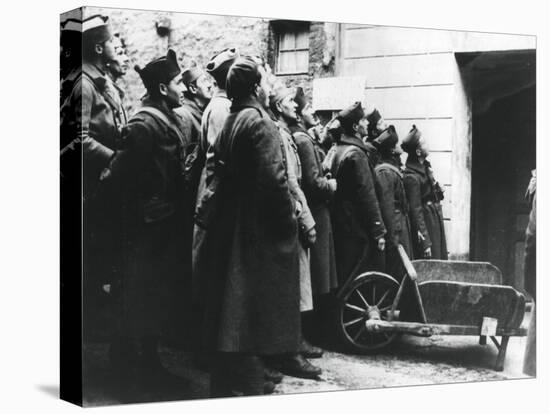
x: 333, y: 94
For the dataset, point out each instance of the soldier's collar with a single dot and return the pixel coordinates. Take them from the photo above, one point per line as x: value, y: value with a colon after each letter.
x: 96, y: 74
x: 349, y: 140
x: 415, y: 165
x: 248, y: 102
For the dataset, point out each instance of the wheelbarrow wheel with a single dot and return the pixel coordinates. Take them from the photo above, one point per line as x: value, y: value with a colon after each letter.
x: 369, y: 296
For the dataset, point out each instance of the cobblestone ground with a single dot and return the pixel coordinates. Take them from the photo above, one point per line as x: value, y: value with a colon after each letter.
x: 414, y: 361
x: 411, y: 361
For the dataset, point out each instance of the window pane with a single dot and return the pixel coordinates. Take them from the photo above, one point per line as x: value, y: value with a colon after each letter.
x: 281, y: 62
x: 302, y: 61
x: 287, y: 41
x: 287, y: 62
x: 302, y: 40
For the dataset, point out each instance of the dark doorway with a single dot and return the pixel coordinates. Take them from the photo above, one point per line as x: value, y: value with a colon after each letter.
x: 503, y: 155
x: 502, y: 89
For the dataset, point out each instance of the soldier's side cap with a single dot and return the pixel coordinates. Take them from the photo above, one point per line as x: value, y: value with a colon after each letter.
x: 222, y: 61
x: 300, y: 99
x: 279, y: 92
x: 191, y: 74
x: 352, y: 114
x: 243, y: 74
x: 161, y: 70
x: 374, y: 117
x: 71, y: 30
x: 95, y: 29
x: 387, y: 139
x: 71, y: 25
x: 410, y: 142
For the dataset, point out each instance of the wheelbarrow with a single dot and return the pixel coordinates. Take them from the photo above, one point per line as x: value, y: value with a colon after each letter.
x: 442, y: 298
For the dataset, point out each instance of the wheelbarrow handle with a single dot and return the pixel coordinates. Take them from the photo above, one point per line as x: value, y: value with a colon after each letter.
x: 407, y: 263
x: 409, y: 268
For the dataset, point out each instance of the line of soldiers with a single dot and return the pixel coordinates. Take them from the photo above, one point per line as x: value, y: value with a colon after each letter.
x: 222, y: 215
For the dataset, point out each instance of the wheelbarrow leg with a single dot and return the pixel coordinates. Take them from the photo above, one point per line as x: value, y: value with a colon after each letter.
x: 499, y: 365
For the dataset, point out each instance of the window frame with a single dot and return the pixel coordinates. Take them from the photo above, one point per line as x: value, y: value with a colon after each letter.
x: 295, y: 31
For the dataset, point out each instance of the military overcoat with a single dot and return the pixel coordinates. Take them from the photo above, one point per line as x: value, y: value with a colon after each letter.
x: 146, y: 170
x: 191, y: 114
x: 305, y: 218
x: 248, y: 258
x: 356, y: 219
x: 318, y: 194
x: 395, y: 213
x: 425, y: 212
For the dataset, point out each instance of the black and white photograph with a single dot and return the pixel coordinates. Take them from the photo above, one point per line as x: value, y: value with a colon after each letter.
x: 274, y: 206
x: 277, y: 206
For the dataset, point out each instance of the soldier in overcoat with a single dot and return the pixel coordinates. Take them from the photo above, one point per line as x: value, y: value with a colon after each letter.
x: 318, y: 189
x: 250, y: 262
x: 214, y: 117
x: 283, y: 107
x: 147, y: 171
x: 424, y: 194
x: 92, y: 117
x: 198, y: 93
x: 393, y: 200
x: 356, y: 219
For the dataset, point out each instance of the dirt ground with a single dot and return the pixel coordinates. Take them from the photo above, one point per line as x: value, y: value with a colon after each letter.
x: 413, y: 361
x: 410, y: 361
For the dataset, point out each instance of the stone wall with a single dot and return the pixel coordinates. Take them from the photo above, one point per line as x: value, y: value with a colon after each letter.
x: 322, y: 54
x: 194, y: 37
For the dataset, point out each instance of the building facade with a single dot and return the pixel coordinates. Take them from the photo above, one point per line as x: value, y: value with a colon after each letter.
x: 473, y: 97
x: 471, y: 94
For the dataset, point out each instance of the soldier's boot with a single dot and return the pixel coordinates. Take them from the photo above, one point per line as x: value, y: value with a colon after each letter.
x: 310, y: 351
x: 297, y: 366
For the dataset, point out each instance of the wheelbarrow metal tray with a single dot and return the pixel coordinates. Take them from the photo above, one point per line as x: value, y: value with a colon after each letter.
x: 459, y: 303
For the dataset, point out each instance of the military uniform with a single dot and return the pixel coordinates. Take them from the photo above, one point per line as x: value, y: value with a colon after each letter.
x: 426, y: 215
x: 356, y: 218
x: 191, y: 114
x: 148, y: 171
x: 318, y: 194
x: 215, y: 114
x: 92, y: 118
x: 249, y: 263
x: 93, y: 115
x: 395, y: 213
x: 305, y: 219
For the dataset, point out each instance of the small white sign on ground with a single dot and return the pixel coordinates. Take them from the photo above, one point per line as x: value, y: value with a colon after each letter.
x: 489, y: 326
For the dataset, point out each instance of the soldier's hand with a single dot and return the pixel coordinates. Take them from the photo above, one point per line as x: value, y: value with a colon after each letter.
x: 311, y: 237
x: 381, y: 244
x: 428, y: 253
x: 332, y: 185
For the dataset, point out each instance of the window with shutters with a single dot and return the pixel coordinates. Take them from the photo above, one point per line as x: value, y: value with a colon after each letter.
x: 293, y: 50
